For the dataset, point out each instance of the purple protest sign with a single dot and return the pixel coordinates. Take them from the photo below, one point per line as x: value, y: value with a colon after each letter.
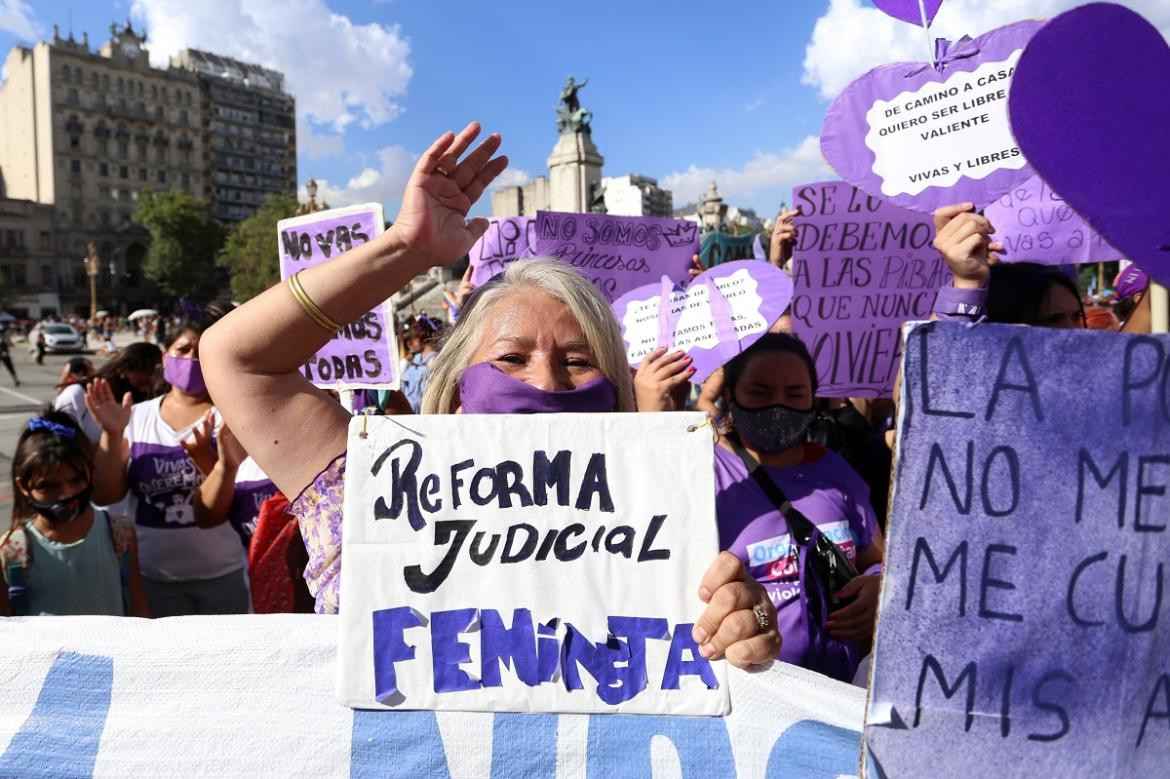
x: 910, y: 10
x: 1035, y: 225
x: 923, y: 137
x: 1023, y: 626
x: 618, y: 253
x: 507, y: 239
x: 1090, y: 109
x: 861, y: 268
x: 722, y: 312
x: 365, y: 353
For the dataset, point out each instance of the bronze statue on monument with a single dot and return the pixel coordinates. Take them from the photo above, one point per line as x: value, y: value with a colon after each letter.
x: 571, y: 117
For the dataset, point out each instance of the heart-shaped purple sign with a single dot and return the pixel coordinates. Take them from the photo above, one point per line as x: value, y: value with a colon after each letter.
x: 921, y: 137
x: 722, y: 312
x: 1090, y: 106
x: 910, y: 10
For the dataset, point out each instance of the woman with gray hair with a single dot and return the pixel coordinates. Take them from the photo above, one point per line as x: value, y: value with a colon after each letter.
x: 540, y: 339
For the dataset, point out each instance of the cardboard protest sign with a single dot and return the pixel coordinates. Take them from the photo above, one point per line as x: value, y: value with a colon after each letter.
x: 923, y: 137
x: 95, y: 696
x: 1023, y: 624
x: 507, y: 239
x: 539, y: 562
x: 618, y: 253
x: 719, y: 248
x: 910, y: 11
x: 365, y: 353
x: 861, y: 268
x: 723, y: 311
x: 1035, y: 225
x: 1108, y: 67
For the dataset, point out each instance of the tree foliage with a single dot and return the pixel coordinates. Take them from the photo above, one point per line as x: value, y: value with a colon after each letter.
x: 251, y: 253
x: 184, y: 240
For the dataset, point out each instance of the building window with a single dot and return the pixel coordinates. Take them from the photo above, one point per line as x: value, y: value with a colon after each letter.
x: 103, y: 146
x: 74, y: 166
x: 183, y: 117
x: 121, y: 85
x: 73, y: 95
x: 162, y: 177
x: 123, y: 149
x: 142, y: 151
x: 44, y: 240
x: 158, y: 112
x: 74, y: 142
x: 142, y: 174
x: 46, y: 276
x: 19, y: 277
x: 104, y: 219
x: 123, y: 172
x: 103, y: 169
x: 186, y: 179
x: 105, y: 81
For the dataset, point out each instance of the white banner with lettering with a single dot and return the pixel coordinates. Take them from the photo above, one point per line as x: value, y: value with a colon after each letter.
x: 253, y: 695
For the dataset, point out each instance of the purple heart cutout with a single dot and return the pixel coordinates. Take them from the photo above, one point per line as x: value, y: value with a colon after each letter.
x: 969, y: 151
x: 1090, y: 107
x: 744, y: 299
x: 908, y: 10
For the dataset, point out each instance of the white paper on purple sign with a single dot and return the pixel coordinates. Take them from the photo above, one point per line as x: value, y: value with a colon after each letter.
x: 720, y: 314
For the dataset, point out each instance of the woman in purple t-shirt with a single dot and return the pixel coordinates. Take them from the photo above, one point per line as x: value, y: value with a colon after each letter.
x: 769, y: 390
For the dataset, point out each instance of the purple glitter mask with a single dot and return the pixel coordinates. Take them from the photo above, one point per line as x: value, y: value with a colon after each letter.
x: 485, y: 389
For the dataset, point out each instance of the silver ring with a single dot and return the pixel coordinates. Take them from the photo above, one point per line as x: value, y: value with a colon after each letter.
x: 761, y: 615
x: 442, y: 170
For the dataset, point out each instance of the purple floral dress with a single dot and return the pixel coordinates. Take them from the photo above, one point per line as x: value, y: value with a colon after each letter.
x: 318, y: 510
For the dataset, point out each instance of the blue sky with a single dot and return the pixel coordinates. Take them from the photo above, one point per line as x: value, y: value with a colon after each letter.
x: 681, y: 91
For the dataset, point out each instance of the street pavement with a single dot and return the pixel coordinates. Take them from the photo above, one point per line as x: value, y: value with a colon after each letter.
x: 38, y: 386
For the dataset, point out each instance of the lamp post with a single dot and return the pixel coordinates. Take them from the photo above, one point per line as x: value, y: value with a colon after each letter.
x: 312, y: 206
x: 93, y: 266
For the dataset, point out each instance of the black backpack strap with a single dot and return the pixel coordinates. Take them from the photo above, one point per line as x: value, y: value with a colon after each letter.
x: 798, y: 524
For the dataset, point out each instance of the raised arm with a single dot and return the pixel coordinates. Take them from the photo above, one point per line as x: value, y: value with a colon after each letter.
x: 251, y: 358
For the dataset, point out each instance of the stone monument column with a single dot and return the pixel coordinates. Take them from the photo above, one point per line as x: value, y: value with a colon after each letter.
x: 574, y: 167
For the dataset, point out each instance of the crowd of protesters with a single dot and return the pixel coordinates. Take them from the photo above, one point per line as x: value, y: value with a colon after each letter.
x: 204, y: 474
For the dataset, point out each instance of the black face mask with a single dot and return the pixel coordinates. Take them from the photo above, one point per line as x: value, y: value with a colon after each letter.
x: 771, y: 428
x: 62, y: 512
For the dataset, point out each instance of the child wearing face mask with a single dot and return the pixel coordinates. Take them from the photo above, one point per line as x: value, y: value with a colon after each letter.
x: 62, y: 555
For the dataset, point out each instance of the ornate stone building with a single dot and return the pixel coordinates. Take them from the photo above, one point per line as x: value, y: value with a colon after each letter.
x: 85, y: 132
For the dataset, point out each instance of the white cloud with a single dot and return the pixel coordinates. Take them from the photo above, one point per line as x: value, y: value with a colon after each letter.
x: 17, y: 17
x: 314, y: 145
x: 765, y: 171
x: 379, y: 185
x: 851, y: 38
x: 339, y: 71
x: 752, y: 106
x: 511, y: 177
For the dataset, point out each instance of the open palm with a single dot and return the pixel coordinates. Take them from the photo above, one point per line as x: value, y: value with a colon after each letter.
x: 440, y: 192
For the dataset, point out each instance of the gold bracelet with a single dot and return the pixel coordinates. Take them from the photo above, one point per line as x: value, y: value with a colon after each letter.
x: 306, y: 303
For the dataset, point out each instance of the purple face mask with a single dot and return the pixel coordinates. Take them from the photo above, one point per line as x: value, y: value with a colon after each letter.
x: 185, y: 374
x: 485, y: 389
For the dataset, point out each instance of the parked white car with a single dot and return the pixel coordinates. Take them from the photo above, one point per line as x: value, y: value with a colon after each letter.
x: 58, y: 338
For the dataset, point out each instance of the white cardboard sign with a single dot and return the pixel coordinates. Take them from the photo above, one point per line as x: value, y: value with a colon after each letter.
x: 365, y: 353
x: 544, y: 562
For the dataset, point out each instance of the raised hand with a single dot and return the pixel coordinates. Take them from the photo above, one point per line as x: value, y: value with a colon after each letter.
x: 657, y: 377
x: 729, y: 627
x: 441, y: 190
x: 855, y: 622
x: 112, y: 417
x: 783, y: 238
x: 963, y: 238
x: 200, y: 448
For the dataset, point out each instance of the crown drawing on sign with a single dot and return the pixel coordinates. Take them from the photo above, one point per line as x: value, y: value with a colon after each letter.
x: 681, y: 234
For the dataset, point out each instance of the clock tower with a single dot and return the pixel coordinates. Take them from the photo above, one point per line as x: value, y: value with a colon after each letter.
x: 125, y: 44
